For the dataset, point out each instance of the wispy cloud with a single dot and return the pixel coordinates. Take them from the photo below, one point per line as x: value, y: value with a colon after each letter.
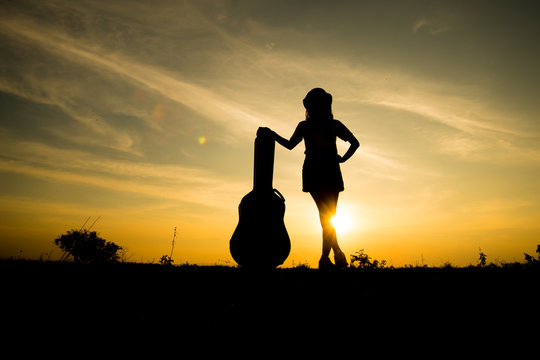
x: 430, y: 26
x: 167, y: 182
x: 477, y: 134
x: 99, y: 131
x: 214, y: 107
x: 458, y: 107
x: 419, y: 24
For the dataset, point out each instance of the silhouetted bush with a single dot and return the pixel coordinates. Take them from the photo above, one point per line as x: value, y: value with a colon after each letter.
x: 88, y: 247
x: 360, y: 260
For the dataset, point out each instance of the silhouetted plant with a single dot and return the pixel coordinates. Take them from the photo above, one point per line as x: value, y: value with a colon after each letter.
x: 166, y: 260
x: 301, y: 265
x: 482, y: 259
x: 88, y: 247
x: 360, y: 260
x: 447, y: 265
x: 123, y: 254
x: 530, y: 259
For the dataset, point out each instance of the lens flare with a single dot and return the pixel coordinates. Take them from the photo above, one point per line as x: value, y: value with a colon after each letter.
x: 202, y: 140
x: 159, y: 112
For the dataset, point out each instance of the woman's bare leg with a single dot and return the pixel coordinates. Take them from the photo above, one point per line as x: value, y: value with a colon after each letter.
x: 326, y: 202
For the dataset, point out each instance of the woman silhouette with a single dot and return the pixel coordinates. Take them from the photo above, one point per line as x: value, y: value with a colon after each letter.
x: 321, y: 173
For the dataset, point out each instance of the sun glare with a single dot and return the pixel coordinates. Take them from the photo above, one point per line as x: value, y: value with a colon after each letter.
x: 341, y: 222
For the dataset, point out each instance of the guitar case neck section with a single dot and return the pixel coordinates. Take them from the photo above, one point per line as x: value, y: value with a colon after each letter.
x: 263, y: 165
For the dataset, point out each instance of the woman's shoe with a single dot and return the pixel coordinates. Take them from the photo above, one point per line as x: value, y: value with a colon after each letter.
x: 325, y: 263
x: 341, y: 260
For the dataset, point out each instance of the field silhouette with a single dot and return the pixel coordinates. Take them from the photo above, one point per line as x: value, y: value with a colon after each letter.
x: 221, y: 301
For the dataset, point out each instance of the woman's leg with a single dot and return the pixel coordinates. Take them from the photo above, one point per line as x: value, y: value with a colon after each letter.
x: 326, y: 202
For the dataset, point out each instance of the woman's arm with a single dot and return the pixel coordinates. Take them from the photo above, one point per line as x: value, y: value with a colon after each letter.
x: 288, y: 144
x: 350, y: 151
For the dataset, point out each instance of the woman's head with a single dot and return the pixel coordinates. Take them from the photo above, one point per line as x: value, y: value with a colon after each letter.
x: 318, y: 104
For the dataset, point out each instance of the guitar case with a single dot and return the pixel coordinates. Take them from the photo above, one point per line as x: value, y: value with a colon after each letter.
x: 260, y: 239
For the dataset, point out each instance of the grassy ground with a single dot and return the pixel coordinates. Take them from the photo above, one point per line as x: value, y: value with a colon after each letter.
x: 221, y: 301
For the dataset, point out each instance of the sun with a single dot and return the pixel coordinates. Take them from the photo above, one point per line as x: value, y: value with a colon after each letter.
x: 341, y: 222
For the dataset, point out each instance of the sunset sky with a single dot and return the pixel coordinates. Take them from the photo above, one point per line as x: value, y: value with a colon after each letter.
x: 144, y: 114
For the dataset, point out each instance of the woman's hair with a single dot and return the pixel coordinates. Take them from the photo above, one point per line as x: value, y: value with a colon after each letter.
x: 318, y: 104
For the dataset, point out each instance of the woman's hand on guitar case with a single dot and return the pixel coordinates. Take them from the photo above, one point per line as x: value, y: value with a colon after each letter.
x: 264, y: 131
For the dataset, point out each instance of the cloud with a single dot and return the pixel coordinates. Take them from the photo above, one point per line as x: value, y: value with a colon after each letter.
x: 255, y: 86
x: 214, y: 107
x: 419, y: 24
x: 429, y: 26
x: 166, y: 182
x: 98, y: 131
